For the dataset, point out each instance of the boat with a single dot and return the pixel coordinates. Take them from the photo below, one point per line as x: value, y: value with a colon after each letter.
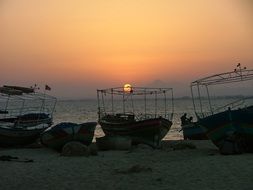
x: 139, y: 113
x: 24, y: 114
x: 192, y: 131
x: 57, y: 136
x: 232, y: 121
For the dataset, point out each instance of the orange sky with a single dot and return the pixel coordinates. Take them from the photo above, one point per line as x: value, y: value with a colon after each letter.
x: 78, y: 46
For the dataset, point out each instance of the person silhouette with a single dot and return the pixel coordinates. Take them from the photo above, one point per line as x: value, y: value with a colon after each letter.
x: 184, y: 119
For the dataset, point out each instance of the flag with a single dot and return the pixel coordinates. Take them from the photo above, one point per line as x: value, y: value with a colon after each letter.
x: 47, y: 87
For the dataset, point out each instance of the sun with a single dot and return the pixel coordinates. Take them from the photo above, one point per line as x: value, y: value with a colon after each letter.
x: 128, y: 88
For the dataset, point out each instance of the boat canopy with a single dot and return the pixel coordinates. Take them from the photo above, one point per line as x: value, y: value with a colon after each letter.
x: 223, y: 78
x: 16, y: 103
x: 135, y: 91
x: 201, y: 96
x: 147, y: 102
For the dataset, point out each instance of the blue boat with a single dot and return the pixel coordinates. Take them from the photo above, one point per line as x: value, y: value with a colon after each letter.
x: 24, y: 114
x: 193, y: 131
x: 57, y: 136
x: 231, y: 122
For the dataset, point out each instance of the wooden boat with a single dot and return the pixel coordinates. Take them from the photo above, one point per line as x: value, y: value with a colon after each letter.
x: 193, y: 131
x: 147, y: 128
x: 57, y: 136
x: 229, y: 122
x: 24, y: 115
x: 14, y: 136
x: 238, y: 122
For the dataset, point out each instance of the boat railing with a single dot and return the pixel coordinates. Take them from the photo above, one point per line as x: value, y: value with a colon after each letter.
x: 240, y: 103
x: 16, y: 112
x: 231, y: 105
x: 133, y: 116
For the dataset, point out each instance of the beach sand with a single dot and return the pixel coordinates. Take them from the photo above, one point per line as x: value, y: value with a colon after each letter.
x: 140, y: 168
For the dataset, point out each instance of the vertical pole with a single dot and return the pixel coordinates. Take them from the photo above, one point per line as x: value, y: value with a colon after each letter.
x: 172, y: 102
x: 165, y: 102
x: 112, y: 101
x: 103, y: 101
x: 123, y: 101
x: 98, y: 105
x: 193, y: 101
x: 145, y: 101
x: 200, y: 102
x: 7, y: 103
x: 209, y: 101
x: 155, y: 103
x: 132, y: 102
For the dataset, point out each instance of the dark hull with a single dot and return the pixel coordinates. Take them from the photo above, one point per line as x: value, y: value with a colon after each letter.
x: 57, y: 136
x: 150, y: 131
x: 193, y: 131
x: 24, y: 129
x: 18, y: 136
x: 238, y: 122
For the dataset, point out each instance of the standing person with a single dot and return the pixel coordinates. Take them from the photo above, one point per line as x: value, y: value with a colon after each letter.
x: 184, y: 119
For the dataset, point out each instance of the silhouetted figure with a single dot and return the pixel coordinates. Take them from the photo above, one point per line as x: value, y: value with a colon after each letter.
x: 190, y: 120
x: 183, y: 119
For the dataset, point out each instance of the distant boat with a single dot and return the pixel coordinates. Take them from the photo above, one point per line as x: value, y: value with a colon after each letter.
x: 230, y: 122
x: 24, y: 114
x: 143, y: 127
x: 57, y: 136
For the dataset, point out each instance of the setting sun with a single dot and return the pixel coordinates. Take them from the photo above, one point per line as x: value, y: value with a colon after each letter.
x: 87, y: 45
x: 127, y: 88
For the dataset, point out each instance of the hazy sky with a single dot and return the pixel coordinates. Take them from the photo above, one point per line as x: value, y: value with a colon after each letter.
x: 77, y: 46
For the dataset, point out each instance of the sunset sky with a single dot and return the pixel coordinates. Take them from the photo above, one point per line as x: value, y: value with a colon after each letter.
x: 78, y: 46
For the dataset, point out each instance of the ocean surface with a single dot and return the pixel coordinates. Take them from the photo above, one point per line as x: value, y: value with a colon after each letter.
x: 80, y: 111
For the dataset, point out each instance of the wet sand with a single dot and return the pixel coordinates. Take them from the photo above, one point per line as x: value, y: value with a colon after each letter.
x: 140, y: 168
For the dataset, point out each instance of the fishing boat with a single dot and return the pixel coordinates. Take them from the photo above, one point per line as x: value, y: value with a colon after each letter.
x: 142, y: 114
x: 24, y: 114
x: 192, y: 131
x: 230, y: 121
x: 57, y: 136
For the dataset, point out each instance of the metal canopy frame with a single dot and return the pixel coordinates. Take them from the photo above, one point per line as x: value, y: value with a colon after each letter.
x: 238, y: 75
x: 141, y: 92
x: 41, y: 98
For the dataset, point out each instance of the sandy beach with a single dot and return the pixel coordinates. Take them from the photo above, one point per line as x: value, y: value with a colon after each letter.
x: 140, y: 168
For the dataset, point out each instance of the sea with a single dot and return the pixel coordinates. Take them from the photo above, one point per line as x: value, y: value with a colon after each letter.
x: 80, y: 111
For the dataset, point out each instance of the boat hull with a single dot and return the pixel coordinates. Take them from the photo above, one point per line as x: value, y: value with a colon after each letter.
x: 10, y: 136
x: 149, y: 131
x: 57, y: 136
x: 193, y: 131
x: 237, y: 122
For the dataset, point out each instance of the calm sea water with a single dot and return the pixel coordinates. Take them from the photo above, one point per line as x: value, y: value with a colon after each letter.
x: 80, y: 111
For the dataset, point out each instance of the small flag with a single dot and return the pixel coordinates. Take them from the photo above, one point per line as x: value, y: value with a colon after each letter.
x: 47, y: 87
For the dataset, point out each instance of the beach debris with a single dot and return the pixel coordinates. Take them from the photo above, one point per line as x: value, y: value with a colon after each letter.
x: 183, y: 145
x: 114, y: 143
x: 14, y: 159
x: 75, y: 148
x: 133, y: 169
